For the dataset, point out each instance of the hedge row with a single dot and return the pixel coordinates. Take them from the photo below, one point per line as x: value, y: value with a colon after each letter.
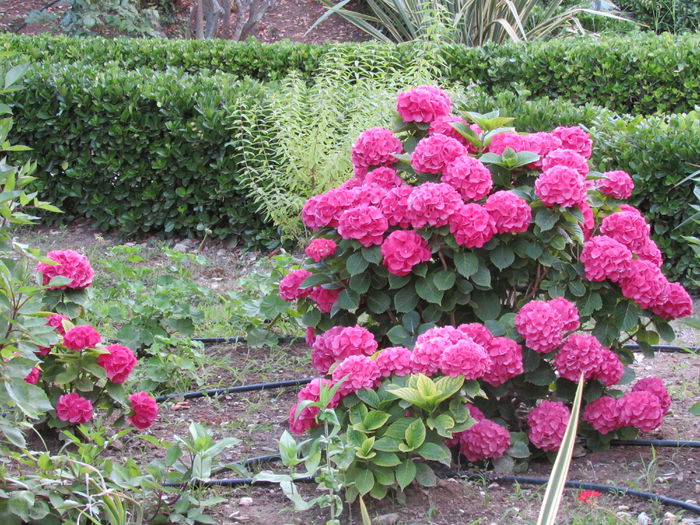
x: 154, y: 153
x: 640, y: 74
x: 139, y: 153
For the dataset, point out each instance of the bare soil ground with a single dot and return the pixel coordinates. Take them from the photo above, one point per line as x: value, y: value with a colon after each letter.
x: 284, y: 20
x: 259, y: 418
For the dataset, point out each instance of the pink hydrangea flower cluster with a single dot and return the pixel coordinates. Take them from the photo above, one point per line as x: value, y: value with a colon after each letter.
x: 363, y: 223
x: 472, y: 225
x: 484, y: 440
x: 506, y: 360
x: 306, y: 418
x: 404, y: 249
x: 74, y: 408
x: 605, y: 258
x: 81, y: 337
x: 678, y: 303
x: 432, y: 203
x: 425, y: 358
x: 644, y: 284
x: 352, y: 340
x: 469, y: 177
x: 290, y: 283
x: 423, y: 104
x: 560, y: 185
x: 655, y: 386
x: 650, y: 252
x: 465, y: 358
x: 548, y: 423
x: 322, y: 357
x: 118, y: 362
x: 369, y: 194
x: 617, y: 184
x: 575, y: 139
x: 477, y: 332
x: 394, y: 206
x: 319, y: 249
x: 643, y: 408
x: 383, y: 177
x: 325, y: 209
x: 324, y: 298
x: 394, y: 360
x: 69, y: 264
x: 375, y: 147
x: 541, y: 325
x: 359, y: 372
x: 510, y: 213
x: 566, y: 158
x: 582, y: 353
x: 144, y: 410
x: 628, y: 228
x: 435, y: 152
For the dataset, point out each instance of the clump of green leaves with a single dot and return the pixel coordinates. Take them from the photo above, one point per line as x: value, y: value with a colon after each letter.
x: 377, y: 440
x: 82, y: 483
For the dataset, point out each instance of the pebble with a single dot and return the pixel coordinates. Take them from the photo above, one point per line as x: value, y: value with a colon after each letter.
x: 623, y: 507
x: 245, y: 501
x: 386, y: 519
x: 493, y: 485
x: 670, y: 517
x: 643, y: 519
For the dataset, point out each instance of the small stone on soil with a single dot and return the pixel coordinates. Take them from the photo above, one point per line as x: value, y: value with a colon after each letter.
x: 245, y: 502
x: 386, y: 519
x: 643, y: 519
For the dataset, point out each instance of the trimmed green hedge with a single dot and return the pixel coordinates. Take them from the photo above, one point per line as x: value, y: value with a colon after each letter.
x: 155, y: 151
x: 641, y: 73
x: 140, y: 153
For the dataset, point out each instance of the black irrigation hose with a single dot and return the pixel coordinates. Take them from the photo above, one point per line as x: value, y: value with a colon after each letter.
x: 24, y: 24
x: 235, y: 389
x: 576, y: 485
x: 235, y: 482
x: 669, y: 348
x: 654, y: 443
x: 291, y: 340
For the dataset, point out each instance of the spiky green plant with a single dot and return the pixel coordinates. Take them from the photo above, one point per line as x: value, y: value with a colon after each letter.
x: 469, y: 22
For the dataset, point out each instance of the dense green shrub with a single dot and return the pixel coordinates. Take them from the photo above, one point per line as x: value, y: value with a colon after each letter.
x: 139, y: 152
x: 643, y: 73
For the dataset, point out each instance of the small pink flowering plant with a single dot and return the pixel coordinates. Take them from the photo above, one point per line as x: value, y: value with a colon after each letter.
x: 80, y: 375
x: 496, y: 262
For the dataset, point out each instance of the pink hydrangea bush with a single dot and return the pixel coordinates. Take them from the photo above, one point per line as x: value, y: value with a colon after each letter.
x: 105, y: 368
x: 469, y: 252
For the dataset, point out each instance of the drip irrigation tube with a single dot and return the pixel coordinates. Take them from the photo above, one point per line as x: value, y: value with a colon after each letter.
x: 452, y: 474
x: 292, y: 340
x: 576, y: 485
x: 24, y: 24
x: 654, y: 443
x: 235, y: 389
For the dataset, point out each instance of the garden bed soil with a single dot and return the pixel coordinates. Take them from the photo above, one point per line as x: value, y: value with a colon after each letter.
x: 284, y: 20
x: 259, y: 418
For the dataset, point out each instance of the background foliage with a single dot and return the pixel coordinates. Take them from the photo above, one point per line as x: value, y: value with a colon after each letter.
x: 196, y: 152
x: 640, y: 73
